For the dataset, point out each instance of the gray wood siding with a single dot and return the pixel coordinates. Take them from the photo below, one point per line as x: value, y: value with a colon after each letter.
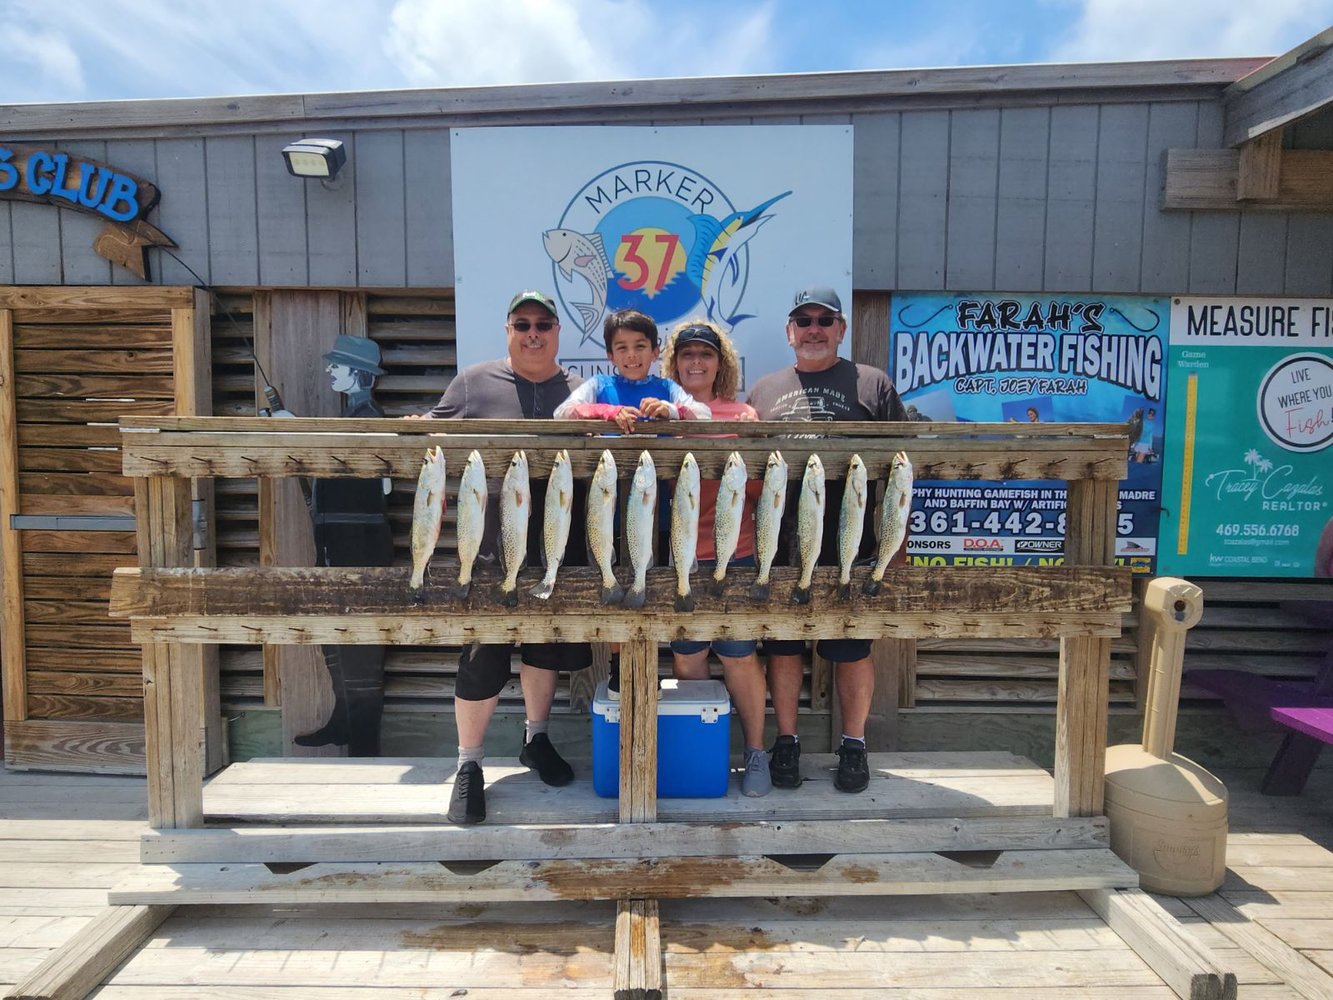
x: 1033, y: 197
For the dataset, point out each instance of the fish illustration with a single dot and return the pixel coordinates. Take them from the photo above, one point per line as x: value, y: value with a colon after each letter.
x: 893, y: 514
x: 585, y: 255
x: 713, y: 263
x: 640, y: 523
x: 729, y: 510
x: 809, y: 526
x: 427, y: 512
x: 851, y: 523
x: 471, y: 519
x: 768, y: 521
x: 515, y: 509
x: 685, y: 529
x: 602, y: 526
x: 555, y: 527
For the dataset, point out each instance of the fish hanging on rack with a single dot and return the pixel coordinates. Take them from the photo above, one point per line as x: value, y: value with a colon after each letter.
x: 471, y: 519
x: 602, y: 495
x: 555, y: 526
x: 728, y: 512
x: 893, y: 514
x: 427, y: 513
x: 851, y: 523
x: 685, y: 529
x: 640, y: 525
x: 768, y: 521
x: 809, y: 526
x: 515, y: 510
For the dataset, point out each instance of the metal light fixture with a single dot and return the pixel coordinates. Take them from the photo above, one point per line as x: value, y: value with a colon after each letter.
x: 315, y: 158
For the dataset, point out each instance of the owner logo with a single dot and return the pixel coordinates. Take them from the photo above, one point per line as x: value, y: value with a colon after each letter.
x: 654, y: 236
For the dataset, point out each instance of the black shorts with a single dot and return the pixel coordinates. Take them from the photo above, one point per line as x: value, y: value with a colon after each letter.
x: 833, y: 650
x: 484, y: 670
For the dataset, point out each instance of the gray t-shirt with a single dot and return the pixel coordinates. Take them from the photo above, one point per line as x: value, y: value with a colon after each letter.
x: 847, y: 391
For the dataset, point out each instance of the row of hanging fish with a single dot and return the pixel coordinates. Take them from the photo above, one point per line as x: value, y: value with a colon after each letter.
x: 641, y: 523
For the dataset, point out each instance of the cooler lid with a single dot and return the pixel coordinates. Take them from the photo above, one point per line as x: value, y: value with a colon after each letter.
x: 701, y: 698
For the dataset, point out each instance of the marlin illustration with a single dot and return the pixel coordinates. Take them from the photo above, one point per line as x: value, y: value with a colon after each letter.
x: 585, y: 255
x: 713, y: 266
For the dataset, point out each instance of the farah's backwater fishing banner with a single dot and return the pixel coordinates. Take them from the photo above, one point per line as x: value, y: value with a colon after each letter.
x: 1249, y: 460
x: 1028, y: 359
x: 721, y: 223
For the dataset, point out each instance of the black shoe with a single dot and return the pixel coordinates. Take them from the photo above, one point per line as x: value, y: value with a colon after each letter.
x: 853, y: 768
x: 331, y: 733
x: 467, y: 804
x: 784, y: 763
x: 540, y: 755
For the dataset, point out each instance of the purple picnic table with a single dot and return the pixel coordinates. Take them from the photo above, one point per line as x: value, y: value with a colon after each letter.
x: 1311, y: 727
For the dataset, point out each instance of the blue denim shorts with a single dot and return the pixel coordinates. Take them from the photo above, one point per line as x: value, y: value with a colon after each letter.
x: 731, y: 648
x: 833, y: 650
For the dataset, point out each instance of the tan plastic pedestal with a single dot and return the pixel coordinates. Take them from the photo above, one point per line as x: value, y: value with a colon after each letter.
x: 1168, y: 815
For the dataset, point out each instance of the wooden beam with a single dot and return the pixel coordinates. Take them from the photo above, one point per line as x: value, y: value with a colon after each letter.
x: 660, y: 878
x: 13, y: 640
x: 1293, y: 968
x: 1260, y: 168
x: 137, y: 297
x: 638, y: 950
x: 1080, y: 726
x: 1290, y: 87
x: 638, y: 731
x: 1209, y: 180
x: 625, y: 841
x: 1189, y: 968
x: 78, y: 966
x: 85, y: 746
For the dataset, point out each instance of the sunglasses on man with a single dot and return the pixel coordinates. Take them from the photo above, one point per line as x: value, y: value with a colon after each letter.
x: 542, y: 325
x: 804, y: 321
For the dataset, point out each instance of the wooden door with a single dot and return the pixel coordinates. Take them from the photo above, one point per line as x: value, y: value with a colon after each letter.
x: 72, y: 361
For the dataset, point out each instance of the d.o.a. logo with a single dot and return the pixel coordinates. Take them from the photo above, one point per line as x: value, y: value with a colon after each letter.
x: 654, y: 236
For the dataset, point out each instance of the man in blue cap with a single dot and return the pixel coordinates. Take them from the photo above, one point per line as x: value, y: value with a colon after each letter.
x: 823, y: 386
x: 351, y: 520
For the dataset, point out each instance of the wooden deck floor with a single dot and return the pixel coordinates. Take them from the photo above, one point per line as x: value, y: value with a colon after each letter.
x: 64, y: 841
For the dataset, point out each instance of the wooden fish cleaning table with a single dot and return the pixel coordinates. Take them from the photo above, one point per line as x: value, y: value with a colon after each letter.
x: 176, y: 610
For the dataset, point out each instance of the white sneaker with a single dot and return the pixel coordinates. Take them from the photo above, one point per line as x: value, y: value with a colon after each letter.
x: 756, y: 781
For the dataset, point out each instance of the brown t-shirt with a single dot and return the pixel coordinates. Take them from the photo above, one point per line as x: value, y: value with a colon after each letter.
x: 847, y: 391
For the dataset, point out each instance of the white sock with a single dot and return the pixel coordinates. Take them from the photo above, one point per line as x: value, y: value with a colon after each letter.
x: 531, y: 729
x: 476, y: 754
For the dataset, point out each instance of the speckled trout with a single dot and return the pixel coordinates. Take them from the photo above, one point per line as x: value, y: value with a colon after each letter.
x: 768, y: 521
x: 685, y: 529
x: 640, y: 523
x: 427, y: 512
x: 893, y: 514
x: 471, y: 519
x: 809, y: 526
x: 555, y: 527
x: 602, y: 526
x: 728, y: 511
x: 851, y: 523
x: 515, y: 510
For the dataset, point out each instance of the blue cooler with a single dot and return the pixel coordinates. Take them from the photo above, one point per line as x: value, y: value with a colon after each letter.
x: 693, y: 741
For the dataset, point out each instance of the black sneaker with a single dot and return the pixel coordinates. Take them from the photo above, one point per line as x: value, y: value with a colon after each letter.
x: 541, y: 756
x: 467, y: 804
x: 853, y: 768
x: 784, y: 763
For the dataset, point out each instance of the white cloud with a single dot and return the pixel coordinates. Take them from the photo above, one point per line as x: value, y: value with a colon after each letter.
x: 38, y: 60
x: 1177, y: 29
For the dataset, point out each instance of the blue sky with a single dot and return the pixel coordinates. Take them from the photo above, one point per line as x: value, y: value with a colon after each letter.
x: 81, y: 50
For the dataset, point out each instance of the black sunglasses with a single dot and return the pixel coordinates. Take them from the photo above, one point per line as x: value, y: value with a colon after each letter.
x: 542, y: 325
x: 804, y: 321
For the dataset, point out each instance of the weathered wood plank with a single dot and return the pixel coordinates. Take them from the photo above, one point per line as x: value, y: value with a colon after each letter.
x: 864, y: 874
x: 75, y: 969
x: 1080, y: 726
x: 623, y: 840
x: 12, y: 641
x: 88, y: 747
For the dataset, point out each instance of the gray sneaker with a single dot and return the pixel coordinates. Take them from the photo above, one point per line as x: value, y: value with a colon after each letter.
x: 756, y: 780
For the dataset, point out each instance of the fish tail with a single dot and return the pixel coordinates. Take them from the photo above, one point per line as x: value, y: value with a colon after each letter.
x: 718, y: 586
x: 800, y: 595
x: 418, y: 578
x: 544, y: 589
x: 613, y: 594
x: 845, y: 590
x: 463, y: 589
x: 760, y: 591
x: 871, y: 586
x: 509, y: 598
x: 685, y: 602
x: 635, y: 597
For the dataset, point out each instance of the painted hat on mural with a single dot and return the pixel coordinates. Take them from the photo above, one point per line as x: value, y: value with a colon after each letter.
x: 817, y: 295
x: 361, y: 354
x: 536, y: 298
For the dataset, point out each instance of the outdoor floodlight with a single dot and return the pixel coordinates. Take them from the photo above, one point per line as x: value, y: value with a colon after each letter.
x: 321, y: 158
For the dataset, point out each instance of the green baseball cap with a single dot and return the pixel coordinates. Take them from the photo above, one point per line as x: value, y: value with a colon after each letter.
x: 536, y: 298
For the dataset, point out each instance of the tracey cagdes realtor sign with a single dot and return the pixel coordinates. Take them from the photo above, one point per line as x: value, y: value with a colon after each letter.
x: 723, y: 223
x: 1249, y: 472
x: 50, y: 177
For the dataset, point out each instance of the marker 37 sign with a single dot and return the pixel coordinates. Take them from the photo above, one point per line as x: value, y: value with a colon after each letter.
x: 37, y: 174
